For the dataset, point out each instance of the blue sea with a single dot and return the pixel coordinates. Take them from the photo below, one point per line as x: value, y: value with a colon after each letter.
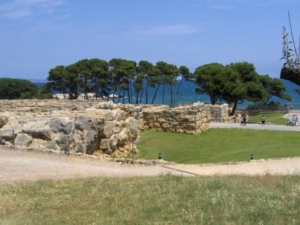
x: 187, y: 94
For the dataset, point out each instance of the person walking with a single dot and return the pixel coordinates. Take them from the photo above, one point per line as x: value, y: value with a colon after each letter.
x: 263, y: 120
x: 244, y: 120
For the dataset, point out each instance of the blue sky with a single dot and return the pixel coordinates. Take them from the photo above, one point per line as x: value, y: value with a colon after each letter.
x: 37, y: 35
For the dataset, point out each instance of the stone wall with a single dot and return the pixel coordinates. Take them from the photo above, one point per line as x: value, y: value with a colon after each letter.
x: 88, y: 127
x: 184, y: 119
x: 219, y: 113
x: 95, y: 127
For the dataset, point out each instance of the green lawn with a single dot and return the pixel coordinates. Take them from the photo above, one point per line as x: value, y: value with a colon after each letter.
x: 218, y: 145
x: 273, y: 118
x: 154, y: 200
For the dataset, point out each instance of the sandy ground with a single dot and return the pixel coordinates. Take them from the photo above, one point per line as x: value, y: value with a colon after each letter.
x: 20, y: 165
x: 284, y: 166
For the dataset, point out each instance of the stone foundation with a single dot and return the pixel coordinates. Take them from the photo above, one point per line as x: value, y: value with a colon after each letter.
x: 184, y: 119
x: 95, y: 127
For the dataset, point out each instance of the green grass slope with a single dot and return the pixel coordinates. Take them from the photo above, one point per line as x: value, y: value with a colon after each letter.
x: 218, y: 145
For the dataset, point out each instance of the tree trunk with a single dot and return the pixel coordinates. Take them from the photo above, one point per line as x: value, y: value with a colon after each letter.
x: 234, y: 108
x: 176, y: 95
x: 155, y: 94
x: 163, y: 95
x: 212, y: 99
x: 147, y: 93
x: 137, y: 97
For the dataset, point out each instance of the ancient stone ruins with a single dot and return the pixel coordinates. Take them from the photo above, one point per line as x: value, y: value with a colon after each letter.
x: 95, y: 127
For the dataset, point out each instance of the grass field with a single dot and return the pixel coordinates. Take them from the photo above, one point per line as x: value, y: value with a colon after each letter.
x: 218, y: 145
x: 169, y: 199
x: 273, y: 118
x: 154, y: 200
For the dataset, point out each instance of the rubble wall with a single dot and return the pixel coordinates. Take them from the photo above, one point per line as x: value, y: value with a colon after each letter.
x: 94, y: 127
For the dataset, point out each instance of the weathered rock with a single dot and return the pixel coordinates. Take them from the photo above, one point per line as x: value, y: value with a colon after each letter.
x: 10, y: 129
x: 190, y: 119
x: 22, y: 140
x: 3, y: 120
x: 110, y: 128
x: 61, y: 125
x: 39, y: 129
x: 94, y: 127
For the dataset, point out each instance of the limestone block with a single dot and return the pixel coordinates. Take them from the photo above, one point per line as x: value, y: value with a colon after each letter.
x: 136, y: 115
x: 162, y: 119
x: 104, y: 144
x: 133, y: 127
x: 106, y: 105
x: 109, y: 115
x: 7, y: 134
x: 62, y: 125
x: 53, y: 145
x: 12, y: 126
x: 149, y: 117
x: 79, y: 126
x: 110, y: 128
x: 165, y: 126
x: 123, y: 136
x: 3, y: 120
x: 156, y: 125
x: 113, y: 142
x: 174, y: 125
x: 38, y: 144
x: 23, y: 140
x: 38, y: 129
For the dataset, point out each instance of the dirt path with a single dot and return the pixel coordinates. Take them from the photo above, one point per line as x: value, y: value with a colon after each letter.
x: 19, y: 165
x: 284, y: 166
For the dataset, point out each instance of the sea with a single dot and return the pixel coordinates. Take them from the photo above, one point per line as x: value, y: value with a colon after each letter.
x: 187, y: 95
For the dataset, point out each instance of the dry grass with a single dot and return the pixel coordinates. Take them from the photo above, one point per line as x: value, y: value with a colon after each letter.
x: 156, y: 200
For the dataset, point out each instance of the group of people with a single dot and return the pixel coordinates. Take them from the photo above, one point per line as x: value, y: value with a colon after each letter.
x: 244, y: 120
x: 292, y: 121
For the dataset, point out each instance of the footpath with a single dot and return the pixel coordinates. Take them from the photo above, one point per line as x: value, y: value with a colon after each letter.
x: 20, y: 165
x: 255, y: 126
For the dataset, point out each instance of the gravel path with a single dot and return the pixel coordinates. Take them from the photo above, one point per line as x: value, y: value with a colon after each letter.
x: 20, y: 165
x: 255, y: 126
x: 284, y: 166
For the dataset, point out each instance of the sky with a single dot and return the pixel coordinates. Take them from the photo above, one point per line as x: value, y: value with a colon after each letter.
x: 37, y: 35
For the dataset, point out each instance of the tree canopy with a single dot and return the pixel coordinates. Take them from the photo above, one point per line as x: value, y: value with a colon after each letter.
x: 237, y: 82
x: 210, y: 79
x: 17, y: 89
x: 273, y: 87
x: 230, y: 83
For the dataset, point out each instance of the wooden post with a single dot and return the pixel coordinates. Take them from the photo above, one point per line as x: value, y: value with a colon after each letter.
x: 13, y: 140
x: 68, y: 145
x: 133, y: 152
